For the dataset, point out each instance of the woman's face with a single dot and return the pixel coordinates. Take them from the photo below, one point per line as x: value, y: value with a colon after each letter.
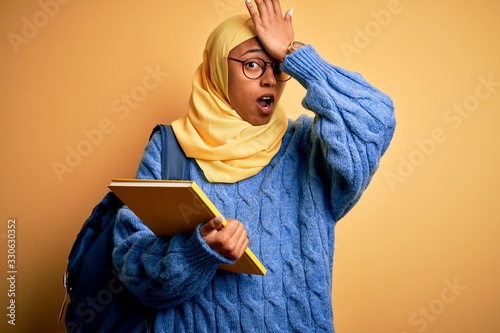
x: 254, y: 100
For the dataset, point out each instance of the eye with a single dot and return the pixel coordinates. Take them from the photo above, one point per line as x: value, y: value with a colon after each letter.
x: 253, y: 65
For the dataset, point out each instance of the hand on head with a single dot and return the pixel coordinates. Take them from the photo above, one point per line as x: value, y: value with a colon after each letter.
x: 275, y: 30
x: 230, y: 240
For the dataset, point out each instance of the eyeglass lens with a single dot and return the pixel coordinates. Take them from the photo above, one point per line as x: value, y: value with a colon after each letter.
x: 255, y: 68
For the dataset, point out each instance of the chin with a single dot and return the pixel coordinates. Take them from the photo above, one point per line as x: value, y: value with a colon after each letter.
x: 259, y: 122
x: 255, y: 117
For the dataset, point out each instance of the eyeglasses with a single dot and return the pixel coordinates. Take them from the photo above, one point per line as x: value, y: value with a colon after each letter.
x: 254, y: 68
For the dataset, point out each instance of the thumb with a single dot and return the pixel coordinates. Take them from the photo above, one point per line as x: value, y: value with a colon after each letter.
x: 288, y: 15
x: 214, y: 224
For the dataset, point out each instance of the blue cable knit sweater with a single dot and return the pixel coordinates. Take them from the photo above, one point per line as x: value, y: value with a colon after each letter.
x: 290, y: 209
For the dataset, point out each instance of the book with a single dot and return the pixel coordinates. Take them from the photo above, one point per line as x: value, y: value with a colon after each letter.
x: 170, y: 207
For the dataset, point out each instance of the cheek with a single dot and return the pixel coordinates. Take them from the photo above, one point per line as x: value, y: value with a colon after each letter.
x: 237, y: 88
x: 239, y: 102
x: 232, y: 87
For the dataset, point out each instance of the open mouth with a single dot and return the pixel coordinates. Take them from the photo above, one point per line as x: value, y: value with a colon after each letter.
x: 266, y: 103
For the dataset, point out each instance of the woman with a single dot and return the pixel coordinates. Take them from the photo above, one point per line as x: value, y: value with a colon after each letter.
x: 285, y: 184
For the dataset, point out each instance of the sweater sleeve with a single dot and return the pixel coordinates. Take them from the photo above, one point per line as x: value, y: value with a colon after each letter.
x: 160, y: 272
x: 353, y: 127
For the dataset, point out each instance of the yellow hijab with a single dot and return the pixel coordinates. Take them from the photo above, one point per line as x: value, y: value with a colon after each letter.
x: 227, y: 148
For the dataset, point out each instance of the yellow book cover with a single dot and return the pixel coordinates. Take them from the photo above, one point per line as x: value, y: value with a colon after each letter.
x: 170, y: 207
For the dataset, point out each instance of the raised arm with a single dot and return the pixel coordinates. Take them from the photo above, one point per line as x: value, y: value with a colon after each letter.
x: 352, y: 129
x: 354, y: 121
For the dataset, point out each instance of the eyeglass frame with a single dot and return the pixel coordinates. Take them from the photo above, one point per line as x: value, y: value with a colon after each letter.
x: 274, y: 66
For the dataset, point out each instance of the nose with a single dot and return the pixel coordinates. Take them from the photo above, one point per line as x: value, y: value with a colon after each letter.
x: 268, y: 78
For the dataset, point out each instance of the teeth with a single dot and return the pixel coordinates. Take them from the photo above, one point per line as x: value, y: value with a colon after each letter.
x: 267, y: 100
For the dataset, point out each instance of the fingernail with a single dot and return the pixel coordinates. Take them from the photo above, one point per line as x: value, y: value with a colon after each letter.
x: 218, y: 220
x: 290, y: 12
x: 248, y: 1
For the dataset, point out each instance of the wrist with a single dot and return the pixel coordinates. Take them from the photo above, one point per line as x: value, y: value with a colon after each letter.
x: 289, y: 49
x: 294, y: 46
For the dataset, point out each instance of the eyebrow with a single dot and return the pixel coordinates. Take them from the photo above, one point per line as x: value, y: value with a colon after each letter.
x: 253, y: 51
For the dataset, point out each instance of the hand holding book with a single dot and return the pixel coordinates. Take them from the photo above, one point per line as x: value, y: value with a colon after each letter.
x: 170, y: 207
x: 230, y: 240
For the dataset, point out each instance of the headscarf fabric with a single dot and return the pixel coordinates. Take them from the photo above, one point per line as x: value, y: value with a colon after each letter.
x: 226, y: 147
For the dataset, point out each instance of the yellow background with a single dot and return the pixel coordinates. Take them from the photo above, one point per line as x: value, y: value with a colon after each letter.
x: 419, y: 253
